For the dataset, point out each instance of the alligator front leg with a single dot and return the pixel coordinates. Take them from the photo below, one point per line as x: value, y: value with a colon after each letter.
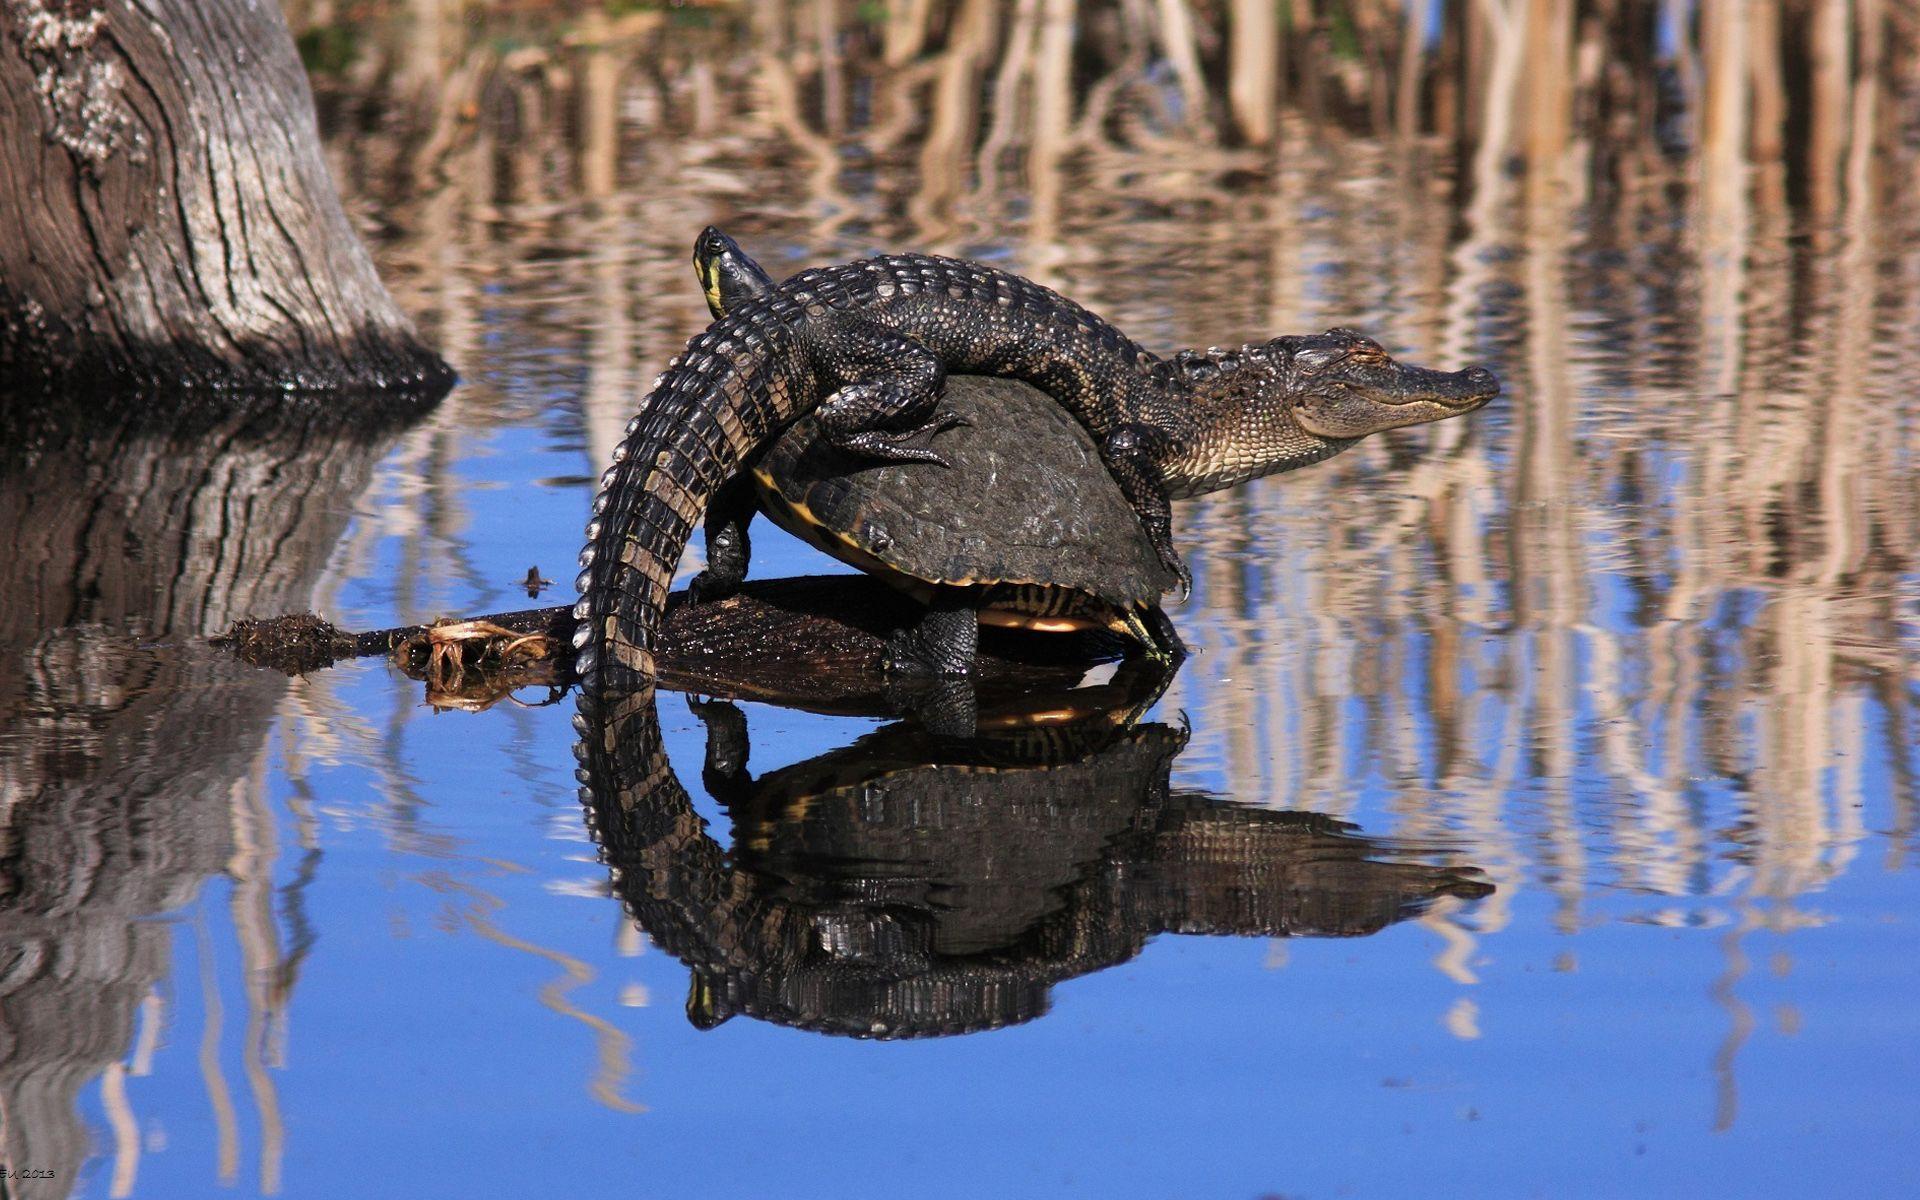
x: 728, y: 551
x: 887, y: 404
x: 1133, y: 455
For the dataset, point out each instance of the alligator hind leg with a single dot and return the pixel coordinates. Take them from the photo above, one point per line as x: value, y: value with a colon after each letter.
x: 728, y: 551
x: 942, y: 642
x: 887, y: 404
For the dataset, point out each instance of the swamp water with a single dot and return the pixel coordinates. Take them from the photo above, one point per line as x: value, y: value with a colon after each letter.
x: 1637, y: 645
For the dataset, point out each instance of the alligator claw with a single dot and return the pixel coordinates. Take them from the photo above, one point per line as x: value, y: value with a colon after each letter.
x: 898, y: 447
x: 1171, y: 560
x: 910, y: 454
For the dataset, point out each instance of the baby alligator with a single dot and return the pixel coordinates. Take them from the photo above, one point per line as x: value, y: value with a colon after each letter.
x: 866, y: 346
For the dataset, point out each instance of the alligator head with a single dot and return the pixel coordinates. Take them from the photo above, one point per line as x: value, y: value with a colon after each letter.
x: 1280, y: 405
x: 1346, y: 386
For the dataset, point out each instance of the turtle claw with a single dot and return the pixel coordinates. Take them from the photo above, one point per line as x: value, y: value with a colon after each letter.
x: 705, y: 588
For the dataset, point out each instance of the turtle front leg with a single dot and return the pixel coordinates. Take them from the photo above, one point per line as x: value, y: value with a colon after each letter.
x: 888, y: 403
x: 1133, y: 454
x: 1159, y: 640
x: 728, y: 550
x: 725, y: 770
x: 944, y: 705
x: 943, y: 642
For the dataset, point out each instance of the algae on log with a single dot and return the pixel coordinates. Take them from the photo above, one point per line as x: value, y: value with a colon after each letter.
x: 169, y: 222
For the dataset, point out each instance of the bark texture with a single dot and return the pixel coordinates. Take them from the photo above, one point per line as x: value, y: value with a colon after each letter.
x: 169, y: 222
x: 126, y: 744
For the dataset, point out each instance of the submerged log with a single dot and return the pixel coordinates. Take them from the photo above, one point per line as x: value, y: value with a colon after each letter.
x: 820, y: 642
x: 170, y: 224
x: 816, y: 642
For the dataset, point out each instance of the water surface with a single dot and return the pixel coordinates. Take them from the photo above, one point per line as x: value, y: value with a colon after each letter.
x: 1636, y: 645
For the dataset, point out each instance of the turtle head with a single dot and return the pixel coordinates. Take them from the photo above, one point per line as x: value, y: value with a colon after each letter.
x: 707, y: 1007
x: 727, y: 275
x: 1345, y: 385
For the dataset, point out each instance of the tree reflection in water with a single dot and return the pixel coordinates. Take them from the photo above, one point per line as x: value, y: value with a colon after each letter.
x: 131, y: 759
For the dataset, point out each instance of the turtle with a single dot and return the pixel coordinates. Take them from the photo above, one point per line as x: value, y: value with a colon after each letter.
x: 995, y: 538
x: 1009, y: 515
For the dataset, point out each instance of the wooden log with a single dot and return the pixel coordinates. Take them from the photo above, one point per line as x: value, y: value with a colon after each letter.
x: 817, y: 642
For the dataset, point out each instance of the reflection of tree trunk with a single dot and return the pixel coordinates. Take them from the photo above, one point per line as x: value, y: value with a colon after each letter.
x: 1549, y: 82
x: 906, y: 30
x: 171, y: 223
x: 1769, y: 109
x: 1178, y: 41
x: 127, y: 737
x: 1253, y: 70
x: 1830, y: 40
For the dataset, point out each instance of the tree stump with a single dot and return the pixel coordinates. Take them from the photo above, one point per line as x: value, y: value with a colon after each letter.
x: 170, y: 224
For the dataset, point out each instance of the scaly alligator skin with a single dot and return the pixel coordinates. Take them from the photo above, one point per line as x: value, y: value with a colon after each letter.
x: 866, y: 346
x: 1275, y: 442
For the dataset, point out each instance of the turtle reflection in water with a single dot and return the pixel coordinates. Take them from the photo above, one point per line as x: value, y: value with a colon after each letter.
x: 913, y: 885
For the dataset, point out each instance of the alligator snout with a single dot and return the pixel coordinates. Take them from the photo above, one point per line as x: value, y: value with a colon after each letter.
x: 1478, y: 385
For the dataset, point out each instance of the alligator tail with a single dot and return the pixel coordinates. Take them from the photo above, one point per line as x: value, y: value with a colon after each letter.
x: 667, y: 870
x: 701, y: 420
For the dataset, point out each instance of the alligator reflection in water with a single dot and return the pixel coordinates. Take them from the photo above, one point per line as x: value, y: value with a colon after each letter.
x: 914, y: 885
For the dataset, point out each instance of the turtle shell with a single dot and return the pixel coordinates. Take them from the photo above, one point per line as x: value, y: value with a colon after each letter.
x: 1026, y: 500
x: 989, y: 848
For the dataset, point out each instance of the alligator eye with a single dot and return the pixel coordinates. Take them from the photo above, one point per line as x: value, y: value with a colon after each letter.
x: 1358, y: 345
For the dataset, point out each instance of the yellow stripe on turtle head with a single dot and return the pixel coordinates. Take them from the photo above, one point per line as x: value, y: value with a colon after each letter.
x: 704, y: 1007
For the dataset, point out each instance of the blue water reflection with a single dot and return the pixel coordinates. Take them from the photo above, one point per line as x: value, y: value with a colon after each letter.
x: 418, y: 983
x: 1639, y: 642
